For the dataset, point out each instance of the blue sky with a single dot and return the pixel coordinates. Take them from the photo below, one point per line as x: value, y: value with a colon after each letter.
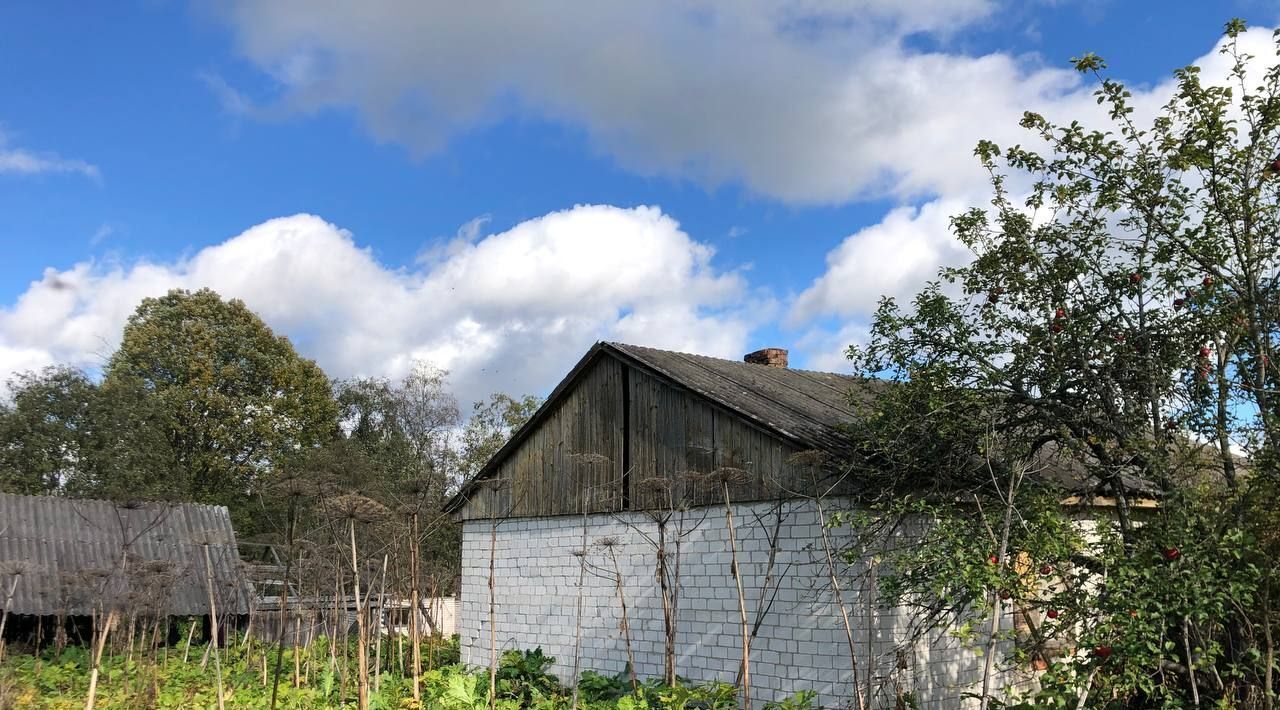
x: 493, y: 191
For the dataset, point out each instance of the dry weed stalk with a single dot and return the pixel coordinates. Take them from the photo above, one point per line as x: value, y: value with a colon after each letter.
x: 726, y: 476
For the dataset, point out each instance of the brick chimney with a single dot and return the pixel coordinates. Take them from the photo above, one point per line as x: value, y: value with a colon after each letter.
x: 769, y: 357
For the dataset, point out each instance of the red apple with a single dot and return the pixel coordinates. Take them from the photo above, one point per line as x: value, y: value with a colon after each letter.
x: 1119, y: 337
x: 1135, y: 278
x: 1204, y: 351
x: 1178, y: 302
x: 993, y: 560
x: 1207, y: 282
x: 1052, y: 613
x: 1275, y: 165
x: 1057, y: 328
x: 1103, y: 652
x: 1171, y: 553
x: 1060, y: 313
x: 1046, y: 570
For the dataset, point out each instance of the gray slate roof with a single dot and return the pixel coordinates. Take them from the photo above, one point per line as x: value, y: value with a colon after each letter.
x: 805, y: 406
x: 72, y: 556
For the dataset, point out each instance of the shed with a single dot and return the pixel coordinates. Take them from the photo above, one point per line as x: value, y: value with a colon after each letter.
x: 622, y: 457
x: 73, y: 557
x: 626, y: 415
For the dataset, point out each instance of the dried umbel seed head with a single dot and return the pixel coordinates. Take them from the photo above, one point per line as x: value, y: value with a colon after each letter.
x: 291, y: 485
x: 808, y: 458
x: 607, y: 542
x: 16, y: 568
x: 355, y: 507
x: 655, y: 484
x: 590, y: 459
x: 417, y: 486
x: 729, y: 476
x: 158, y: 568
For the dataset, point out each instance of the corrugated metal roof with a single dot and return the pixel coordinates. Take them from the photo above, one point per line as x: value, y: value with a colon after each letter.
x: 77, y: 556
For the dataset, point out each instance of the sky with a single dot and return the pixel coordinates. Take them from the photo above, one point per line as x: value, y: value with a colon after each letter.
x: 493, y: 187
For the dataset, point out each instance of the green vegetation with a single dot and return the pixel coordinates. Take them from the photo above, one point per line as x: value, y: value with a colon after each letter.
x: 52, y: 681
x: 1112, y: 346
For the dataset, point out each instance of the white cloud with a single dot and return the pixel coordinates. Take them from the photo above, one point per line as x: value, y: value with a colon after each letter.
x: 21, y: 161
x: 805, y: 102
x: 892, y: 258
x: 896, y: 256
x: 509, y: 311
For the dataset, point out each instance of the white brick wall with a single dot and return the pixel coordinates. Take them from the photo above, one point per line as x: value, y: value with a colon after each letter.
x: 801, y: 644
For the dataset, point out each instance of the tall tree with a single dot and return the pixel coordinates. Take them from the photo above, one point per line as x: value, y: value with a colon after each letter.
x: 1113, y: 337
x: 65, y: 434
x: 240, y: 398
x: 43, y: 431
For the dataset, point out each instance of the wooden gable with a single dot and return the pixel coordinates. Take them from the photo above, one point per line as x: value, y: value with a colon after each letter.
x: 617, y: 435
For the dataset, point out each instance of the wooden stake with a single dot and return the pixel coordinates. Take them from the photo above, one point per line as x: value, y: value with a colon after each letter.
x: 213, y: 625
x: 97, y: 660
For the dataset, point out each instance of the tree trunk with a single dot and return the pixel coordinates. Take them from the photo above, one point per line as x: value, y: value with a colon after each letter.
x: 997, y: 611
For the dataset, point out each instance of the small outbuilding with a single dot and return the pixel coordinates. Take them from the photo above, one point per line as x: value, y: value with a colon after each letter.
x: 617, y: 486
x: 63, y: 558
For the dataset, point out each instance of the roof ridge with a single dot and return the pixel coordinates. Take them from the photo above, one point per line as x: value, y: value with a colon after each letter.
x: 620, y: 344
x: 132, y: 504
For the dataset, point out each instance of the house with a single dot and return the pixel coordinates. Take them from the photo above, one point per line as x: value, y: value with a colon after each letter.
x: 62, y: 558
x: 634, y: 452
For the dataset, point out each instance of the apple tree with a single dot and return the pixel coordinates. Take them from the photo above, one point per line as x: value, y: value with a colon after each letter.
x: 1087, y: 411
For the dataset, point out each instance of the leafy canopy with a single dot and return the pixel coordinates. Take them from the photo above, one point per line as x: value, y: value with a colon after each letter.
x: 240, y: 398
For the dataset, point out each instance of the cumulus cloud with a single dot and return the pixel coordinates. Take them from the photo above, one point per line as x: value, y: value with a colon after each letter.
x: 21, y: 161
x: 806, y: 102
x: 891, y: 258
x: 896, y: 256
x: 509, y: 311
